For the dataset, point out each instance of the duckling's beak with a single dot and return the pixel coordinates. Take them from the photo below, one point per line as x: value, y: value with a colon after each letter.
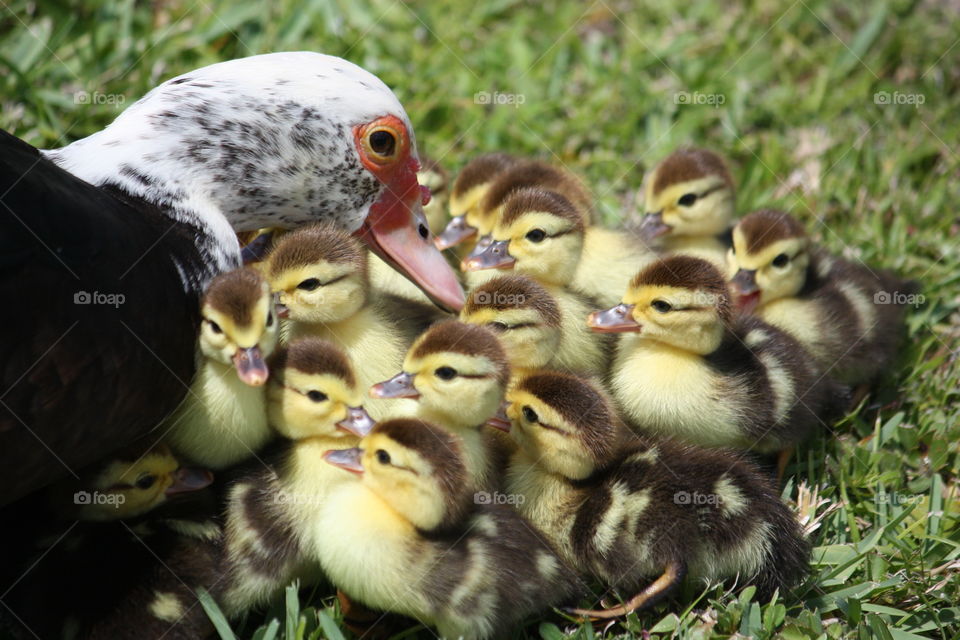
x: 347, y: 459
x: 358, y: 422
x: 456, y: 231
x: 250, y: 366
x: 399, y: 386
x: 187, y: 479
x: 745, y: 282
x: 282, y: 310
x: 500, y: 420
x: 495, y: 255
x: 397, y: 231
x: 257, y: 249
x: 618, y: 319
x: 653, y: 226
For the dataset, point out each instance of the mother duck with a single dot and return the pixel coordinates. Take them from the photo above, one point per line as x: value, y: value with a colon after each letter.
x: 107, y: 243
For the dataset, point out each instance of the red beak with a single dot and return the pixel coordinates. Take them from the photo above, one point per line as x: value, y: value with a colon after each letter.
x: 397, y: 231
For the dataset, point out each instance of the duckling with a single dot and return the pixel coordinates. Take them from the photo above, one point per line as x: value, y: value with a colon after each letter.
x: 627, y: 510
x: 458, y: 374
x: 433, y: 176
x: 320, y: 276
x: 468, y: 192
x: 100, y: 540
x: 829, y: 304
x: 690, y: 203
x: 540, y: 234
x: 405, y: 536
x: 223, y: 420
x: 524, y: 316
x: 689, y: 370
x: 315, y: 403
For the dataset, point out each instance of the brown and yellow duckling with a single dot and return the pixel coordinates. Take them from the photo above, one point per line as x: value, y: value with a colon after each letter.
x: 688, y: 368
x: 406, y: 535
x: 641, y: 515
x: 315, y: 404
x: 466, y: 196
x: 458, y: 375
x: 320, y: 277
x: 689, y: 199
x: 849, y: 317
x: 540, y: 234
x: 223, y: 419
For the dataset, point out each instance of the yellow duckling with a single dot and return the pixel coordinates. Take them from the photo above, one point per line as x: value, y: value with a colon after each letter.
x: 687, y: 369
x: 320, y: 277
x: 524, y: 316
x: 628, y: 511
x: 314, y: 402
x: 458, y: 374
x: 689, y: 200
x: 223, y: 419
x: 540, y: 234
x: 405, y: 535
x: 467, y: 193
x: 849, y: 317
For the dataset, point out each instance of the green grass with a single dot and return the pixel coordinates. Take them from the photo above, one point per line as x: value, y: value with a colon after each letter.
x: 600, y: 85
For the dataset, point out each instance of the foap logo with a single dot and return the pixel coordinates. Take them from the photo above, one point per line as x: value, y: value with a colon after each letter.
x: 499, y: 99
x: 497, y: 298
x: 97, y: 98
x: 485, y: 497
x: 95, y: 497
x: 696, y: 98
x: 98, y: 298
x: 696, y: 498
x: 898, y: 297
x: 884, y: 98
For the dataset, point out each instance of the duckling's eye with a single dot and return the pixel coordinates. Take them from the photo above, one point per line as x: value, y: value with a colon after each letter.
x: 145, y: 481
x: 316, y: 396
x: 661, y: 305
x: 309, y: 284
x: 383, y: 142
x: 214, y: 326
x: 687, y: 200
x: 382, y: 456
x: 499, y: 327
x: 530, y: 415
x: 269, y: 319
x: 536, y: 235
x: 781, y: 260
x: 446, y: 373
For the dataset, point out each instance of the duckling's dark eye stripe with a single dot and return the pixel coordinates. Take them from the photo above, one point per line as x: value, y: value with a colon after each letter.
x: 519, y: 325
x: 704, y: 194
x: 551, y: 427
x: 337, y: 279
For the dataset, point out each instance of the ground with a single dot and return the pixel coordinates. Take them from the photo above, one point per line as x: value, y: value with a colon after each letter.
x: 846, y: 115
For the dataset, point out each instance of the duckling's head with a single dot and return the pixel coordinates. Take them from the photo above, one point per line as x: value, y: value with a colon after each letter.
x: 680, y: 301
x: 313, y: 392
x: 239, y: 323
x: 565, y: 422
x: 457, y: 371
x: 319, y: 274
x: 690, y: 193
x: 433, y: 176
x: 468, y: 192
x: 130, y: 484
x: 539, y: 233
x: 415, y: 467
x: 769, y: 258
x: 522, y: 313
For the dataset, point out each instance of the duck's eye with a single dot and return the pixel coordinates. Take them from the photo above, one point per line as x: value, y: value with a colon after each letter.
x: 145, y: 481
x: 316, y: 396
x: 530, y: 415
x: 687, y: 200
x: 446, y: 373
x: 661, y: 305
x: 423, y: 231
x: 382, y: 456
x: 499, y: 327
x: 536, y: 235
x: 309, y: 284
x: 781, y: 261
x: 214, y: 327
x: 383, y: 143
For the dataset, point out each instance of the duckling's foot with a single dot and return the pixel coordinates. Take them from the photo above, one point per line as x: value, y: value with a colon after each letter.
x: 671, y: 577
x: 364, y: 622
